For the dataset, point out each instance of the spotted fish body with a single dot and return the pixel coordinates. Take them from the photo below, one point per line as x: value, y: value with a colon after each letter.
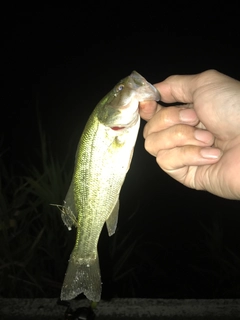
x: 102, y: 160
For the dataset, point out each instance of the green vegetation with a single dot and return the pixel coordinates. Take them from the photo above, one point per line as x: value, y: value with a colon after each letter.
x: 34, y: 244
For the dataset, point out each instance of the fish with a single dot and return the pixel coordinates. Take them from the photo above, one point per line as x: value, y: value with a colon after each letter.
x: 102, y: 160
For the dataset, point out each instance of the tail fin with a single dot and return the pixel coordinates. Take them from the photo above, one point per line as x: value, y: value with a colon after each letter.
x: 82, y: 277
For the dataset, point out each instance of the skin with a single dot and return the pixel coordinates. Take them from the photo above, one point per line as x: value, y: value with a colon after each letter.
x: 198, y: 142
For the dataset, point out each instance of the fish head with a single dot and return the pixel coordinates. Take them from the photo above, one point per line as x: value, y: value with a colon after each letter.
x: 119, y: 108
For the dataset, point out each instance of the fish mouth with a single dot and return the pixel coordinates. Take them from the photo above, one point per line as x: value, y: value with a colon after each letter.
x: 144, y: 89
x: 136, y: 88
x: 120, y: 109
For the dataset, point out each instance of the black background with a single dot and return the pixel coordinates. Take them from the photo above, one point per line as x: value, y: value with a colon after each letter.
x: 63, y: 61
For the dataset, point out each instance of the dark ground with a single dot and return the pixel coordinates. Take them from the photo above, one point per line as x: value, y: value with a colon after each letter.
x: 12, y: 309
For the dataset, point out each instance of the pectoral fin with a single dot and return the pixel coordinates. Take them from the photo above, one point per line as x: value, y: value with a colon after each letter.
x: 112, y: 220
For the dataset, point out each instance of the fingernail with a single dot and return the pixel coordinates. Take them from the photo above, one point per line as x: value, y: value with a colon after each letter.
x: 210, y: 153
x: 187, y: 115
x: 203, y: 135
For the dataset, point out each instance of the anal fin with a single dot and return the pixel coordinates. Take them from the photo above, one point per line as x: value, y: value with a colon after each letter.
x: 112, y: 220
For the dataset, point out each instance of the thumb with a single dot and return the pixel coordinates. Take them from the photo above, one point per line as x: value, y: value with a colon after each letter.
x: 181, y: 88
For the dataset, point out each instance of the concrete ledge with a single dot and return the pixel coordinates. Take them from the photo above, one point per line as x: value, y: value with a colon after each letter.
x: 32, y: 309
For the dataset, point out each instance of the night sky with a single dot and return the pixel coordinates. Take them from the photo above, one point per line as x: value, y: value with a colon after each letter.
x: 63, y: 62
x: 66, y: 61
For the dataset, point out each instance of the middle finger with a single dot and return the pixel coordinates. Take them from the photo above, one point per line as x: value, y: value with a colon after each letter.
x: 170, y: 116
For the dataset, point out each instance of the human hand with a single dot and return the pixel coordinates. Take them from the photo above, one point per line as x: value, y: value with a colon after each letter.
x: 197, y: 143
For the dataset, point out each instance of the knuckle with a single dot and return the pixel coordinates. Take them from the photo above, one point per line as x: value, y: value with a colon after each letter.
x: 150, y: 146
x: 147, y: 145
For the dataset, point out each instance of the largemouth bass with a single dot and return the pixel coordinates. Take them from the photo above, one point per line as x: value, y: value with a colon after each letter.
x: 102, y: 160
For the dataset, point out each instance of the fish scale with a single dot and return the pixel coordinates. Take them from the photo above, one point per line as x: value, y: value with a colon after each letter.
x: 102, y: 160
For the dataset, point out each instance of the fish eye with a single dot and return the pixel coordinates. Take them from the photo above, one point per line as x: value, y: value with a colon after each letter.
x: 120, y: 87
x: 117, y: 89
